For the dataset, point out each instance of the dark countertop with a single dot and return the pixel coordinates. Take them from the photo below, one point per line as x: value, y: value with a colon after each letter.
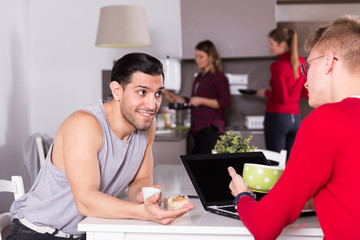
x: 171, y: 134
x: 243, y: 129
x: 180, y: 134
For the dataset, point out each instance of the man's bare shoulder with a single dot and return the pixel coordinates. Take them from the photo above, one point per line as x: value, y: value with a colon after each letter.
x: 81, y: 124
x: 81, y: 118
x: 80, y: 132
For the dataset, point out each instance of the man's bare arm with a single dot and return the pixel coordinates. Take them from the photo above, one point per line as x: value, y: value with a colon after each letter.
x: 80, y: 138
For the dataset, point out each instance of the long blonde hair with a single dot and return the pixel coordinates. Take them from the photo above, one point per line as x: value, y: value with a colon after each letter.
x: 290, y: 37
x: 209, y: 48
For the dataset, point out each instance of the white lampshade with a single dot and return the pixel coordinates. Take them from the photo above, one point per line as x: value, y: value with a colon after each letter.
x: 122, y: 26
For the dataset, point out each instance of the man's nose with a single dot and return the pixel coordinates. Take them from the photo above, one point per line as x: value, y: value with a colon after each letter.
x: 150, y: 102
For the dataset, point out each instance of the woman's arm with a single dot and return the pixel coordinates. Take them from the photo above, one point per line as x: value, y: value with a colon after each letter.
x: 209, y: 102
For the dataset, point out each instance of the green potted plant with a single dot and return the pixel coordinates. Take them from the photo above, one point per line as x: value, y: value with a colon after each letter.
x: 233, y: 143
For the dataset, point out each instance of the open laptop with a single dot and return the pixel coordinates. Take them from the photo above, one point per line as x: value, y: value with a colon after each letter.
x: 209, y: 175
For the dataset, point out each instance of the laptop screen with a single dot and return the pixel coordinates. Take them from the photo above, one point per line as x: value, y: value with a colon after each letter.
x: 209, y: 174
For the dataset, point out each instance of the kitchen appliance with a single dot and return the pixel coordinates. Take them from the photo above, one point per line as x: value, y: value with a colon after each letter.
x: 254, y: 122
x: 172, y: 72
x: 182, y: 114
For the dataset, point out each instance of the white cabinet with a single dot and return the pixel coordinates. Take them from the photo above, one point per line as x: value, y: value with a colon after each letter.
x: 238, y: 28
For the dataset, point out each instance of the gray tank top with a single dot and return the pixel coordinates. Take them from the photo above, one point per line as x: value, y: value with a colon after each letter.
x: 50, y: 201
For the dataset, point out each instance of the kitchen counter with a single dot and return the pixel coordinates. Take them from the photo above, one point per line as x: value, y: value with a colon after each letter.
x: 196, y: 224
x: 169, y: 144
x: 171, y: 134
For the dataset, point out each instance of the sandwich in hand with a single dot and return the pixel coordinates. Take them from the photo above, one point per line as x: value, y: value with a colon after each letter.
x: 175, y: 203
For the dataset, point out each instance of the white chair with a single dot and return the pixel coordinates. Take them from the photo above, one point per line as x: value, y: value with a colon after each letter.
x: 15, y: 186
x: 35, y: 148
x: 40, y: 150
x: 275, y: 156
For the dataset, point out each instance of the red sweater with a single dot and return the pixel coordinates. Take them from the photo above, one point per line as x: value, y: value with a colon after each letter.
x: 324, y: 164
x: 285, y: 90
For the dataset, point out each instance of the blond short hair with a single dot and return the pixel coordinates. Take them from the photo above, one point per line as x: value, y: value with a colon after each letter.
x: 342, y: 37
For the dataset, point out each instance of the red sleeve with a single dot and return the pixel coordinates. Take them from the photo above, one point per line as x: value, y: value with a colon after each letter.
x: 308, y: 170
x: 278, y: 85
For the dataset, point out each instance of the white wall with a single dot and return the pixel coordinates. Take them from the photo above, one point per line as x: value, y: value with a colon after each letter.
x: 66, y: 66
x: 49, y: 65
x: 14, y: 88
x: 314, y: 12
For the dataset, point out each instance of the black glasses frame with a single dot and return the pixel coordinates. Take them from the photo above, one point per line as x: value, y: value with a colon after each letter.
x: 304, y: 67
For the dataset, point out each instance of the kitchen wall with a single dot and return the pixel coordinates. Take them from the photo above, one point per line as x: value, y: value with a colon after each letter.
x: 258, y: 71
x: 14, y: 89
x: 65, y: 61
x: 49, y: 65
x: 314, y: 12
x: 304, y: 18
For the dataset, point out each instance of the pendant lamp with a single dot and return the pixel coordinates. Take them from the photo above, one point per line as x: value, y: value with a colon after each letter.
x: 122, y: 26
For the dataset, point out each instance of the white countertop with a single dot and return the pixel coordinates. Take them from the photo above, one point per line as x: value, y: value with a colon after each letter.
x: 196, y: 223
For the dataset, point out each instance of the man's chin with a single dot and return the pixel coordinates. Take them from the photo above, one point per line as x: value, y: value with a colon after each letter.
x: 143, y: 127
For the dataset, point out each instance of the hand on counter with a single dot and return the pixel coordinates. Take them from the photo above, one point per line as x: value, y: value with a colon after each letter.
x: 152, y: 211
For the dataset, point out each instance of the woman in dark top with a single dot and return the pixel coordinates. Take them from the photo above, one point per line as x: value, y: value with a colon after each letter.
x: 210, y: 96
x: 282, y: 117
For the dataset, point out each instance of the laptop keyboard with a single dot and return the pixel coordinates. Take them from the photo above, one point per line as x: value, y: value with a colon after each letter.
x: 229, y: 208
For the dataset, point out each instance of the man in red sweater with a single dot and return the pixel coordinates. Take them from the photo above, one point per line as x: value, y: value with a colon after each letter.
x: 324, y: 163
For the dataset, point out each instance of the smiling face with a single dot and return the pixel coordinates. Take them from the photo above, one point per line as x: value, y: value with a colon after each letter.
x: 202, y: 60
x: 141, y: 99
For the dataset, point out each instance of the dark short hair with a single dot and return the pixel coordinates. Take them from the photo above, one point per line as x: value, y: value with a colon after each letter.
x: 133, y: 62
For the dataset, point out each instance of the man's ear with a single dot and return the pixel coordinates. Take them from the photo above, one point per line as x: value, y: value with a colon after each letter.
x: 115, y: 90
x: 329, y: 61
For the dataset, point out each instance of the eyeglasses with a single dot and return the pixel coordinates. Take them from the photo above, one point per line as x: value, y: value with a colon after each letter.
x: 304, y: 67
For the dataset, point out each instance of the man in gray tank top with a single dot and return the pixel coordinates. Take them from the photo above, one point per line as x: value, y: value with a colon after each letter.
x: 97, y: 152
